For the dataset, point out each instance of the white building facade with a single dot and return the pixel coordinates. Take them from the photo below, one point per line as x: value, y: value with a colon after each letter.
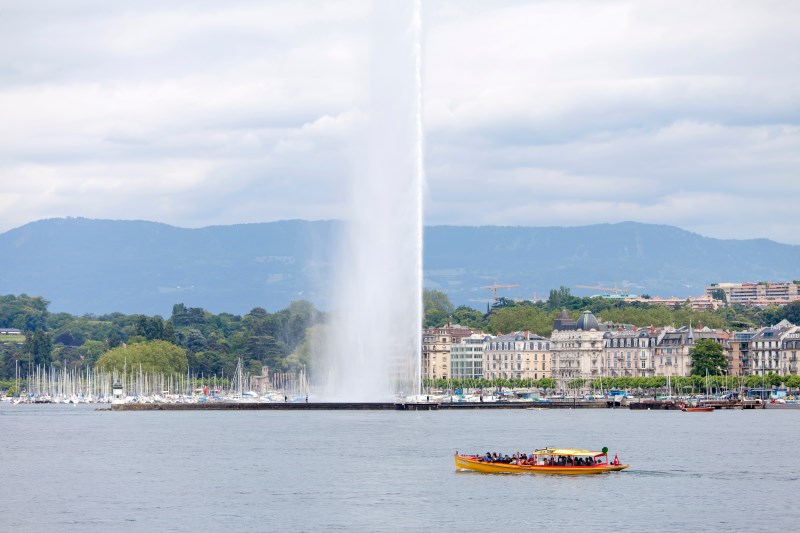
x: 466, y: 357
x: 521, y: 355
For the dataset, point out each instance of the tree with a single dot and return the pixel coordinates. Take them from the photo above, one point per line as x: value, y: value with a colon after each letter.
x: 39, y: 348
x: 576, y: 383
x: 719, y: 294
x: 153, y: 356
x: 438, y: 304
x: 559, y: 298
x: 466, y: 316
x: 707, y: 357
x: 546, y: 384
x: 791, y: 312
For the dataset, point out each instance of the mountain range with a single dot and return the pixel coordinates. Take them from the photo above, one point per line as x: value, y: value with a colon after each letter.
x: 99, y: 266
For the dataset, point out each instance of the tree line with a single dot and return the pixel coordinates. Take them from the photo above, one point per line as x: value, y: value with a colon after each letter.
x: 210, y: 343
x: 505, y: 315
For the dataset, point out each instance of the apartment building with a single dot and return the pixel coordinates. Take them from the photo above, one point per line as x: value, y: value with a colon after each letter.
x: 436, y: 343
x: 577, y: 348
x: 762, y: 293
x: 466, y: 357
x: 627, y: 352
x: 520, y: 355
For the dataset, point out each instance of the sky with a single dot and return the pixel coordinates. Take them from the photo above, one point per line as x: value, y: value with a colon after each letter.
x: 560, y: 113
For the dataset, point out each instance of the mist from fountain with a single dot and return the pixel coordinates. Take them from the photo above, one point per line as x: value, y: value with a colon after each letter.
x: 373, y: 347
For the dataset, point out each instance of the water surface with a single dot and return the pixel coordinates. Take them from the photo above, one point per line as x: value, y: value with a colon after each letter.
x: 74, y: 469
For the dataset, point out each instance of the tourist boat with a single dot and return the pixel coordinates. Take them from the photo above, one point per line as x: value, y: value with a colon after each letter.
x: 696, y: 409
x: 563, y: 460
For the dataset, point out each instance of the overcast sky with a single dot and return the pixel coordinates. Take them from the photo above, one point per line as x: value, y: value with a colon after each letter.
x: 535, y: 113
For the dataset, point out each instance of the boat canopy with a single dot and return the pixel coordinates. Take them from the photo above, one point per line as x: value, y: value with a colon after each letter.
x: 567, y: 452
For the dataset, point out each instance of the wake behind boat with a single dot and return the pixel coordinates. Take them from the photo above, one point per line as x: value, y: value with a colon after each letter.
x: 563, y: 461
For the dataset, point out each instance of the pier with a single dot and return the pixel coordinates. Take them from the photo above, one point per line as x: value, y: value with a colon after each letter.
x: 355, y: 406
x: 277, y: 406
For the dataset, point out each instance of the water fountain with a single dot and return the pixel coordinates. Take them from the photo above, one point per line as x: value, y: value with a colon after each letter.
x: 373, y: 352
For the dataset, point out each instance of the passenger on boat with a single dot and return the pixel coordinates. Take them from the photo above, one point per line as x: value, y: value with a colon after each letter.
x: 487, y: 458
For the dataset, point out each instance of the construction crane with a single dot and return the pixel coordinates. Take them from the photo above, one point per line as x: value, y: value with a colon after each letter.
x: 494, y: 286
x: 613, y: 289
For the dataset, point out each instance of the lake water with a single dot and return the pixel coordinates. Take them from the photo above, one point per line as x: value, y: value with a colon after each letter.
x: 70, y: 468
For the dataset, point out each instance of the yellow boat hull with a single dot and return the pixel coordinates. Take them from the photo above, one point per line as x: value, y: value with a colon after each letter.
x: 468, y: 463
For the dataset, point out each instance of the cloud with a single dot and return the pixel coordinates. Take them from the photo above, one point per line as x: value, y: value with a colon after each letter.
x: 542, y: 113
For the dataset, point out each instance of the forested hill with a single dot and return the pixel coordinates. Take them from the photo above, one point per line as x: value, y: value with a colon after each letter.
x: 100, y: 266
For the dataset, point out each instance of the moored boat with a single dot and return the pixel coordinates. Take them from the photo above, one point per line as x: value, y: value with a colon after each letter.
x: 562, y: 461
x: 696, y: 409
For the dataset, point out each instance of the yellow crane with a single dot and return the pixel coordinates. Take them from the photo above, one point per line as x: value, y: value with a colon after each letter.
x: 494, y: 286
x: 613, y: 289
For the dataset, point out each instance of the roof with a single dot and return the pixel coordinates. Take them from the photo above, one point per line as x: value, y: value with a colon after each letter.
x: 587, y: 321
x: 566, y: 451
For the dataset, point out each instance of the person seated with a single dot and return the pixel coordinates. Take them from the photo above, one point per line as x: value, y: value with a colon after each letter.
x: 507, y: 459
x: 487, y: 458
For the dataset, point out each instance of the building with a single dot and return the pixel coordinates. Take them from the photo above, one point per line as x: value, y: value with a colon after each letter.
x: 576, y: 348
x: 757, y: 294
x: 627, y: 352
x: 466, y: 357
x: 704, y: 302
x: 790, y: 346
x: 520, y: 355
x: 774, y: 349
x: 436, y: 344
x: 738, y: 353
x: 10, y: 331
x: 673, y: 346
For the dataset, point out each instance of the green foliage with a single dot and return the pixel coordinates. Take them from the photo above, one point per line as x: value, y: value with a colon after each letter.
x: 39, y: 348
x: 521, y: 318
x: 790, y: 312
x: 468, y: 317
x: 560, y: 298
x: 719, y: 294
x: 708, y: 357
x: 437, y: 308
x: 576, y: 383
x: 547, y: 384
x: 151, y: 356
x: 23, y: 312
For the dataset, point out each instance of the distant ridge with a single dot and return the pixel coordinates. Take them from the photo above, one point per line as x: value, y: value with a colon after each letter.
x: 99, y: 266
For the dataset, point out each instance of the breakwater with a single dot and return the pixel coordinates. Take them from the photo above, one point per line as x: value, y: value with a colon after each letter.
x: 354, y: 406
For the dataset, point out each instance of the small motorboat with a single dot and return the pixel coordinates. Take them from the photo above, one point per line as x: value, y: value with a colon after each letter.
x: 563, y: 461
x: 695, y: 409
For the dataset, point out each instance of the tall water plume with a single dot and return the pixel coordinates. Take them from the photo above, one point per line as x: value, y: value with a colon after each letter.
x: 374, y: 345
